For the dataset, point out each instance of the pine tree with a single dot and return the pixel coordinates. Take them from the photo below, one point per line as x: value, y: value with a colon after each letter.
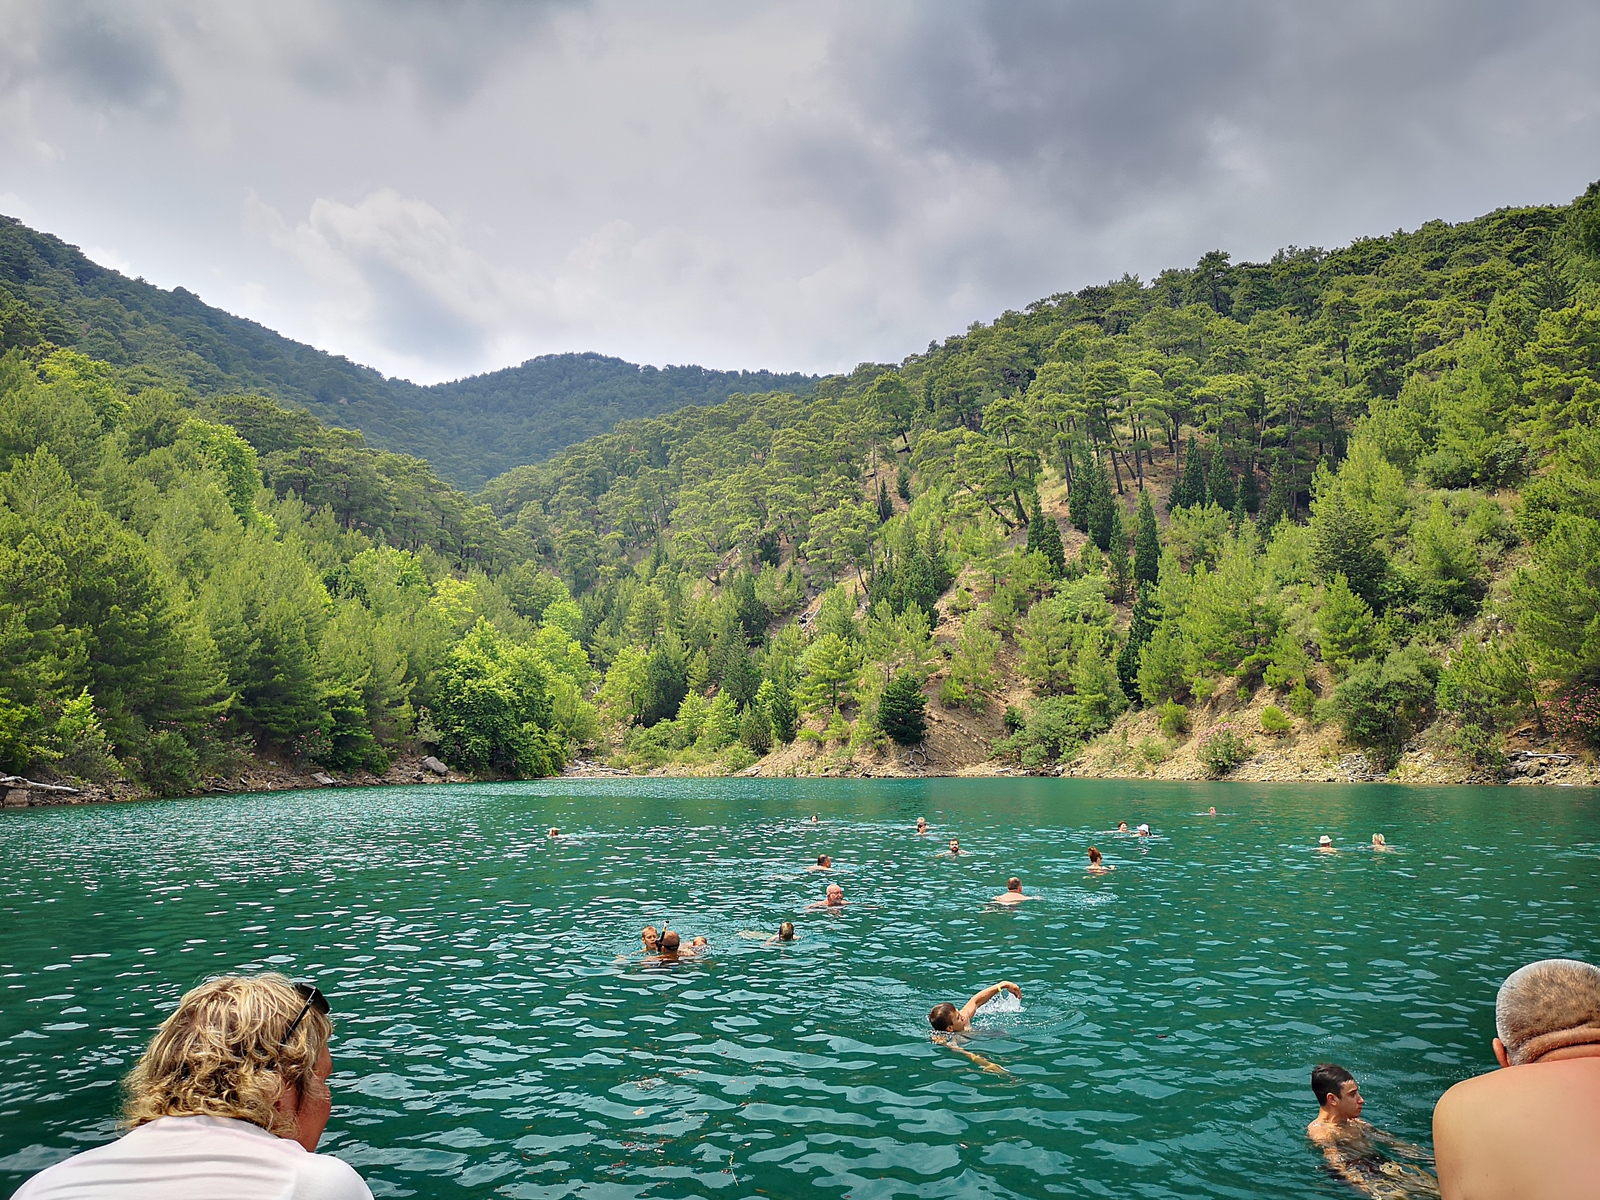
x: 1146, y: 616
x: 1190, y: 489
x: 755, y: 730
x: 1101, y: 506
x: 1345, y: 629
x: 1276, y: 506
x: 902, y: 711
x: 1044, y: 537
x: 1146, y: 545
x: 1079, y: 496
x: 902, y: 483
x: 1343, y: 543
x: 1219, y: 483
x: 1240, y: 514
x: 781, y: 710
x: 831, y: 665
x: 1250, y: 487
x: 885, y: 505
x: 1121, y: 569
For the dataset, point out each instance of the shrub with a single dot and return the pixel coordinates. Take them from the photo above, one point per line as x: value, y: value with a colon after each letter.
x: 755, y: 731
x: 951, y: 693
x: 1015, y: 719
x: 1223, y: 749
x: 1381, y: 705
x: 168, y: 765
x: 1151, y: 751
x: 1174, y: 719
x: 1575, y: 713
x: 1302, y: 699
x: 1274, y: 721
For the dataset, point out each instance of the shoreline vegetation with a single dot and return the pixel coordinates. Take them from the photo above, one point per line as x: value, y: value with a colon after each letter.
x: 1330, y: 517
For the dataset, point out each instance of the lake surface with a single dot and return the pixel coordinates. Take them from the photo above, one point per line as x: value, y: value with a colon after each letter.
x: 496, y: 1033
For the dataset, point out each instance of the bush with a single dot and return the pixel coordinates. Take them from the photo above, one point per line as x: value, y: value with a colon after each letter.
x: 1575, y: 713
x: 1015, y: 719
x: 755, y: 731
x: 1302, y: 699
x: 1174, y: 719
x: 1223, y: 749
x: 168, y: 765
x: 1381, y: 705
x: 1151, y: 751
x: 1274, y: 721
x: 951, y: 693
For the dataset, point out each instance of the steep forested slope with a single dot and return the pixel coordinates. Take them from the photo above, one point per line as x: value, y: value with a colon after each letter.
x: 1352, y: 494
x: 469, y: 429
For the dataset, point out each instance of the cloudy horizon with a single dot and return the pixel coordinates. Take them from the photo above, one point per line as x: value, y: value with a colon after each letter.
x: 438, y: 191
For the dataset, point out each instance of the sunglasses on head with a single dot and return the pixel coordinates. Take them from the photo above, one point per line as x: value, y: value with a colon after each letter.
x: 313, y: 999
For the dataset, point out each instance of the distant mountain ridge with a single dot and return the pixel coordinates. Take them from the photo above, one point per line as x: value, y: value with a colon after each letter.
x: 470, y: 430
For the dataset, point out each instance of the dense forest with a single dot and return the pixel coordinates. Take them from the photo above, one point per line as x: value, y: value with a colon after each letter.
x: 469, y: 430
x: 1361, y: 483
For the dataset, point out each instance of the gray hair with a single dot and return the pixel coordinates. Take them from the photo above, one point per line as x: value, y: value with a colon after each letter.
x: 1547, y: 1005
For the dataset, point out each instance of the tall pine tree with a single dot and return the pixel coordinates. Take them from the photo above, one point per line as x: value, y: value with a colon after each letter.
x: 1146, y: 616
x: 1190, y: 490
x: 1250, y: 487
x: 1080, y: 495
x: 1219, y: 483
x: 1102, y: 507
x: 1276, y: 506
x: 1146, y: 544
x: 1045, y: 538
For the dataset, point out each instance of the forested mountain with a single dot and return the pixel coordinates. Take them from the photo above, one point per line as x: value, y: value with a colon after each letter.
x: 468, y: 430
x: 1361, y: 483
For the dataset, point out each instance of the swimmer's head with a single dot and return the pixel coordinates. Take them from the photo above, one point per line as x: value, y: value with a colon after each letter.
x: 1094, y: 856
x: 669, y: 942
x: 1122, y: 827
x: 1212, y: 811
x: 649, y: 935
x: 1547, y: 1005
x: 922, y: 822
x: 1143, y: 831
x: 1379, y: 840
x: 554, y: 832
x: 786, y: 932
x: 835, y: 893
x: 824, y: 861
x: 1324, y: 840
x: 945, y: 1018
x: 697, y: 940
x: 955, y: 845
x: 1336, y: 1088
x: 1013, y: 884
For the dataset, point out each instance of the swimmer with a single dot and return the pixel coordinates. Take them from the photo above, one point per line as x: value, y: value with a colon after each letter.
x: 1350, y: 1144
x: 833, y: 898
x: 1012, y: 894
x: 824, y: 863
x: 922, y: 826
x: 667, y: 948
x: 950, y: 1023
x: 554, y: 832
x: 955, y: 850
x: 785, y: 933
x: 1097, y: 866
x: 1380, y: 843
x: 1325, y: 845
x: 813, y: 818
x: 1212, y: 811
x: 1122, y: 827
x: 698, y: 945
x: 650, y: 937
x: 1143, y: 831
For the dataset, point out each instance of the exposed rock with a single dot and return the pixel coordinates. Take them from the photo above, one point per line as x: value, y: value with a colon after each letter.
x: 324, y: 778
x: 434, y: 765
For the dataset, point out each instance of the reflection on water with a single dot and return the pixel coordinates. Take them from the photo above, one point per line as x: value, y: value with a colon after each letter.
x: 498, y: 1035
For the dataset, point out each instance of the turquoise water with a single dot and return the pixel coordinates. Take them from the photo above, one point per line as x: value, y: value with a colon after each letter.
x: 497, y: 1035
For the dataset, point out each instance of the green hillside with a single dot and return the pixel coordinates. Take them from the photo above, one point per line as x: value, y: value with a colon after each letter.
x: 1351, y: 493
x: 468, y: 430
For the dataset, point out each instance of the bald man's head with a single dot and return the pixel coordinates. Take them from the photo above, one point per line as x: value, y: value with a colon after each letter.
x: 1547, y: 1005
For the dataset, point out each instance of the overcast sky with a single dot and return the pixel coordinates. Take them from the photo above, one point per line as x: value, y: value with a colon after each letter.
x: 441, y: 189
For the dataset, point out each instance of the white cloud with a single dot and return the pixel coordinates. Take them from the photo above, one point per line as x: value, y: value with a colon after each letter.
x: 439, y: 191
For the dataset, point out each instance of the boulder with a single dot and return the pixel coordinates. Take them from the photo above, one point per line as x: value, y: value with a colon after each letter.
x: 434, y: 765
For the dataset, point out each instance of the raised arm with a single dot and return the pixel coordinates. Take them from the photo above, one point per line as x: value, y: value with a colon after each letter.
x: 988, y: 994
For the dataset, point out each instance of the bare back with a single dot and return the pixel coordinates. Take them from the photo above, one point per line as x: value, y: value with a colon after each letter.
x: 1529, y: 1132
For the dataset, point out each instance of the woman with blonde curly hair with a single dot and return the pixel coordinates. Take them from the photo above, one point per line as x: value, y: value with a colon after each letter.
x: 229, y: 1099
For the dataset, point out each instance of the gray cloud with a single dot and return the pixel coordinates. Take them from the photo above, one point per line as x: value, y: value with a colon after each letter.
x: 439, y: 189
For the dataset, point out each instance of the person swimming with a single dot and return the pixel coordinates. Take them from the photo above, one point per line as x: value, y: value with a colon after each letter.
x: 651, y: 938
x: 1325, y: 845
x: 1350, y: 1144
x: 1097, y: 864
x: 1013, y: 893
x: 950, y: 1024
x: 823, y: 863
x: 1122, y: 827
x: 922, y: 825
x: 785, y: 934
x: 955, y: 850
x: 832, y: 898
x: 1212, y: 811
x: 668, y: 948
x: 1143, y: 831
x: 1380, y: 843
x: 554, y: 832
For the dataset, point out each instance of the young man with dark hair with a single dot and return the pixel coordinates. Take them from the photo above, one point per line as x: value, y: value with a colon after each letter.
x: 950, y: 1022
x: 1350, y: 1144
